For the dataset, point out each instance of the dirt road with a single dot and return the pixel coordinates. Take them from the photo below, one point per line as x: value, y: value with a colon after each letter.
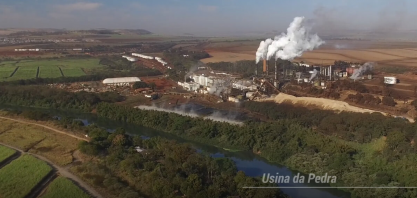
x: 62, y: 171
x: 46, y: 127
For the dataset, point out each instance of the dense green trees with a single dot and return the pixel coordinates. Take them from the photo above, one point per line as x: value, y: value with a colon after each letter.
x: 349, y: 145
x: 40, y: 96
x: 164, y: 169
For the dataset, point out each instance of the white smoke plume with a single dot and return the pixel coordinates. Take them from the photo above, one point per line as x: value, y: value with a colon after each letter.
x: 313, y: 75
x: 181, y: 110
x: 263, y: 50
x: 192, y: 70
x: 221, y: 86
x: 362, y: 69
x: 292, y: 44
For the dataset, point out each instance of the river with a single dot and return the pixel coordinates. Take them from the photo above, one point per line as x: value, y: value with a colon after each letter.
x: 251, y: 164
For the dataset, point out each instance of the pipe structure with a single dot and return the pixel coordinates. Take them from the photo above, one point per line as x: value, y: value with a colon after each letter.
x: 267, y: 67
x: 330, y: 72
x: 276, y: 77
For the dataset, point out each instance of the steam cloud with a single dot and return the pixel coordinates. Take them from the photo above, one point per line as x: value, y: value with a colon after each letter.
x: 220, y: 86
x: 313, y: 75
x: 192, y: 70
x: 291, y: 45
x: 263, y: 50
x: 181, y: 110
x: 362, y: 69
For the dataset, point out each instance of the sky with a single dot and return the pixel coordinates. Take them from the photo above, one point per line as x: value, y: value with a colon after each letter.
x: 209, y: 18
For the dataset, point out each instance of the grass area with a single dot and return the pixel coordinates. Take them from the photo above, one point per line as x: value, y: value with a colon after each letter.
x: 63, y: 188
x: 49, y: 72
x: 54, y: 146
x: 73, y: 72
x: 24, y: 73
x: 19, y: 177
x: 5, y: 153
x: 6, y: 71
x: 49, y: 68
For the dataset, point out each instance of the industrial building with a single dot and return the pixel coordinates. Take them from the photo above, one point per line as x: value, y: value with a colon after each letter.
x: 131, y: 59
x: 123, y: 81
x: 161, y: 61
x: 189, y: 86
x: 143, y: 56
x: 244, y: 85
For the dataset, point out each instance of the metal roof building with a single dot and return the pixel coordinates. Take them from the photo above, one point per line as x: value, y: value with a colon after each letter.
x: 120, y: 81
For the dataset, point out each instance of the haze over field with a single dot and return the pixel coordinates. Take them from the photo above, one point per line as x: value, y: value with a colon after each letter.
x: 388, y: 18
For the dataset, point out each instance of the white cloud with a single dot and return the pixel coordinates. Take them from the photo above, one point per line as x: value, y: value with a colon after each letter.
x: 207, y: 8
x: 79, y: 6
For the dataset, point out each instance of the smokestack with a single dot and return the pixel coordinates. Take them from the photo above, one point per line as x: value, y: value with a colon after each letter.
x: 330, y: 72
x: 264, y: 67
x: 276, y: 77
x: 267, y: 67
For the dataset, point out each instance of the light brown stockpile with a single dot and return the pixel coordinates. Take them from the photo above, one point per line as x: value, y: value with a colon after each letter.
x: 322, y: 103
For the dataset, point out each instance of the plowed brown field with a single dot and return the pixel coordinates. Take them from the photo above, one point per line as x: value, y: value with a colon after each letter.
x: 384, y: 53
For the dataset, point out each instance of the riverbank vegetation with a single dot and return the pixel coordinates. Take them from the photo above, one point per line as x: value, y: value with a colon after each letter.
x: 161, y: 169
x: 361, y: 149
x: 19, y: 177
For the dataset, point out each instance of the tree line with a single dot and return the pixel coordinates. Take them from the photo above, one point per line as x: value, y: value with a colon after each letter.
x: 40, y: 96
x: 163, y: 169
x: 361, y: 149
x: 316, y: 141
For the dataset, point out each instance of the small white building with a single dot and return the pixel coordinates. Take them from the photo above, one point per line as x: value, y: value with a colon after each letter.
x: 142, y: 56
x: 123, y: 81
x: 390, y: 80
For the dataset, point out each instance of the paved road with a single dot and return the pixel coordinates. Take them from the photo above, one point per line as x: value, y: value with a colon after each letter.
x: 62, y: 171
x: 46, y: 127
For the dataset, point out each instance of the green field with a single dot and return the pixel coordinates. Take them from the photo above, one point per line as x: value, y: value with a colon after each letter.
x: 49, y: 72
x: 24, y: 73
x: 5, y: 71
x: 73, y: 72
x: 19, y: 177
x: 63, y: 188
x: 49, y: 68
x: 5, y: 153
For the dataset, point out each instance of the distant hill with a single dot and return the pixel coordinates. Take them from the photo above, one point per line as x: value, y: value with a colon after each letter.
x: 134, y: 31
x: 42, y: 32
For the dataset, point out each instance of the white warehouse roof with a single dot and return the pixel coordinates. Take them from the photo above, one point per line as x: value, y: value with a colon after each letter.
x: 120, y: 80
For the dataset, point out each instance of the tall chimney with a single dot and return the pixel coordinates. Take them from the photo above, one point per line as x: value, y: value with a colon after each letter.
x: 276, y: 77
x: 330, y: 72
x: 267, y: 67
x: 264, y: 67
x: 256, y: 69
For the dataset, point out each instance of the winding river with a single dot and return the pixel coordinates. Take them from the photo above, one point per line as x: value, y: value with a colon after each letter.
x: 245, y: 161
